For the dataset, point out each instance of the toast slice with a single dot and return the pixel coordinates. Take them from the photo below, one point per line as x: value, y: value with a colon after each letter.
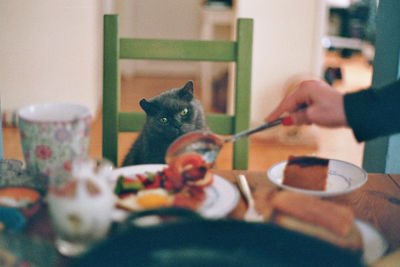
x: 319, y: 218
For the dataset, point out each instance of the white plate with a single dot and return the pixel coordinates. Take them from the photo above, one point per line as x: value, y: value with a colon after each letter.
x: 343, y: 177
x: 221, y: 196
x: 374, y: 244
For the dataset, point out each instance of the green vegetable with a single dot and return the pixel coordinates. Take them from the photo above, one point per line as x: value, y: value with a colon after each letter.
x: 119, y: 186
x: 132, y: 186
x: 150, y: 176
x: 125, y: 185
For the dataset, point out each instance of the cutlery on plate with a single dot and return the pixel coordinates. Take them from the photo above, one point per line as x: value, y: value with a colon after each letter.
x: 251, y: 215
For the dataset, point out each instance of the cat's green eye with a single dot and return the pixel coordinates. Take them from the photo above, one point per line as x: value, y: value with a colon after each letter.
x: 163, y: 120
x: 184, y: 112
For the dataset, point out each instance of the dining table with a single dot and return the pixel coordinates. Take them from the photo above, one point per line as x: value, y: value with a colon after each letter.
x: 377, y: 203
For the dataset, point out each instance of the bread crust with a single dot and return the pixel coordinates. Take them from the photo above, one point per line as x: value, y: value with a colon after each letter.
x: 319, y: 218
x: 334, y: 217
x: 352, y: 241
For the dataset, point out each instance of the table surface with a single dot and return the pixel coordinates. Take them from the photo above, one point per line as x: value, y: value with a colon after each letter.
x: 377, y: 202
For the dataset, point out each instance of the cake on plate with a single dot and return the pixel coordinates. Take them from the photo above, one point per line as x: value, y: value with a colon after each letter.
x: 306, y: 172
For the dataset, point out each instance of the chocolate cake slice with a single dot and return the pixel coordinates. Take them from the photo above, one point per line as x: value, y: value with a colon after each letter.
x: 306, y: 172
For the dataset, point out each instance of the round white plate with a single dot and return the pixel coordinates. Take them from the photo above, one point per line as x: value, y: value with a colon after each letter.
x: 343, y: 177
x: 374, y: 244
x: 221, y: 196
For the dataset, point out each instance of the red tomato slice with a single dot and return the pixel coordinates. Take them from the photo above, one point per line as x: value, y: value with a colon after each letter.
x: 191, y: 166
x: 141, y: 178
x: 195, y: 173
x: 174, y: 178
x: 168, y: 185
x: 156, y: 183
x: 206, y: 181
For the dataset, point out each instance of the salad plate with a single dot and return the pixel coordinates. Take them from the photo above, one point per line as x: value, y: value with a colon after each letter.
x: 221, y: 196
x: 343, y: 177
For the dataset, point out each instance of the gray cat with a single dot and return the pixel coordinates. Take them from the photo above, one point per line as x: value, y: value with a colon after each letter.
x: 168, y: 115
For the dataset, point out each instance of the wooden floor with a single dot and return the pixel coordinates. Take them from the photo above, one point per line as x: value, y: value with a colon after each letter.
x: 337, y: 143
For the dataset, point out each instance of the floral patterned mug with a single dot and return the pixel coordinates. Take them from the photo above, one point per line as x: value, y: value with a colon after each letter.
x: 52, y: 136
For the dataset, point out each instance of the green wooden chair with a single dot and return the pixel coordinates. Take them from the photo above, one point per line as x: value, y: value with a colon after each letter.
x: 115, y: 48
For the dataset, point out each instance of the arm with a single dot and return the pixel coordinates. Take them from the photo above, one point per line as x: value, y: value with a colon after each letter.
x: 374, y: 112
x: 324, y: 105
x: 370, y: 113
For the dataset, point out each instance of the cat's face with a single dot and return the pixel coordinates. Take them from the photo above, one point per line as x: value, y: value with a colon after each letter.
x: 174, y: 112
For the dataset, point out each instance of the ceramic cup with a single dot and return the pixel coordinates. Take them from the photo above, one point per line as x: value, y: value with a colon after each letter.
x: 81, y: 208
x: 52, y: 135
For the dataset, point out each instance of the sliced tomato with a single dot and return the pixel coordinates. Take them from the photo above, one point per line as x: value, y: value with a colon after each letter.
x: 156, y: 183
x: 206, y: 181
x: 168, y: 173
x: 141, y: 178
x: 195, y: 173
x: 186, y: 161
x: 174, y: 178
x: 168, y: 185
x: 191, y: 166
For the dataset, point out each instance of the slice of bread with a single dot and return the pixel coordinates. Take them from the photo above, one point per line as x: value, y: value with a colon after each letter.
x: 351, y: 241
x: 320, y: 218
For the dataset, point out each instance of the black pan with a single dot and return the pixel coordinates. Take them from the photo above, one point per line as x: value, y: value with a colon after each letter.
x: 194, y: 241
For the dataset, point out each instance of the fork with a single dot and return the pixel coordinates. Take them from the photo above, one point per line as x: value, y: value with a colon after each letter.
x: 251, y: 215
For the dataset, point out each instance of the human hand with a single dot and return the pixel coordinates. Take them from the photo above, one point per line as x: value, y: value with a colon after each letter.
x: 324, y: 105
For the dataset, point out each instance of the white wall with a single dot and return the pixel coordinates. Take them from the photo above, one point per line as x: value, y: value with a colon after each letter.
x: 286, y: 44
x: 50, y: 50
x: 166, y: 19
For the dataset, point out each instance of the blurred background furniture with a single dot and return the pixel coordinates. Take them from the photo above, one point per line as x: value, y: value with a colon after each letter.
x: 1, y: 136
x: 116, y: 48
x: 211, y: 17
x: 351, y: 29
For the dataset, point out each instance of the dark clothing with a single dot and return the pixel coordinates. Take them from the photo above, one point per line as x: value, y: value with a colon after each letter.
x: 374, y: 112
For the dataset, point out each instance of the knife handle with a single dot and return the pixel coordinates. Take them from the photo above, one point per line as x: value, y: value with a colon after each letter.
x: 244, y: 188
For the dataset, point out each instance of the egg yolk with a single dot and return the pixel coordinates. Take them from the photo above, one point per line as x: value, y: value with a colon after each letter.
x: 149, y: 201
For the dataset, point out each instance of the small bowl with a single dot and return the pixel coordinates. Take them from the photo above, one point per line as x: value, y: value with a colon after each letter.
x: 25, y: 199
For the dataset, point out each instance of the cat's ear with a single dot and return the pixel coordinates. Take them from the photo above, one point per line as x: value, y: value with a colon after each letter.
x: 187, y: 91
x: 147, y: 106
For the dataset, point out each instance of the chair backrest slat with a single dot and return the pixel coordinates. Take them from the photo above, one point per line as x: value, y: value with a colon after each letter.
x: 115, y: 48
x: 243, y: 91
x: 126, y: 119
x: 224, y: 123
x: 111, y: 84
x: 153, y: 49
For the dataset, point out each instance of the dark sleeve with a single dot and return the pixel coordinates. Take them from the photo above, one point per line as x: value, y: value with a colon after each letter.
x: 374, y: 112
